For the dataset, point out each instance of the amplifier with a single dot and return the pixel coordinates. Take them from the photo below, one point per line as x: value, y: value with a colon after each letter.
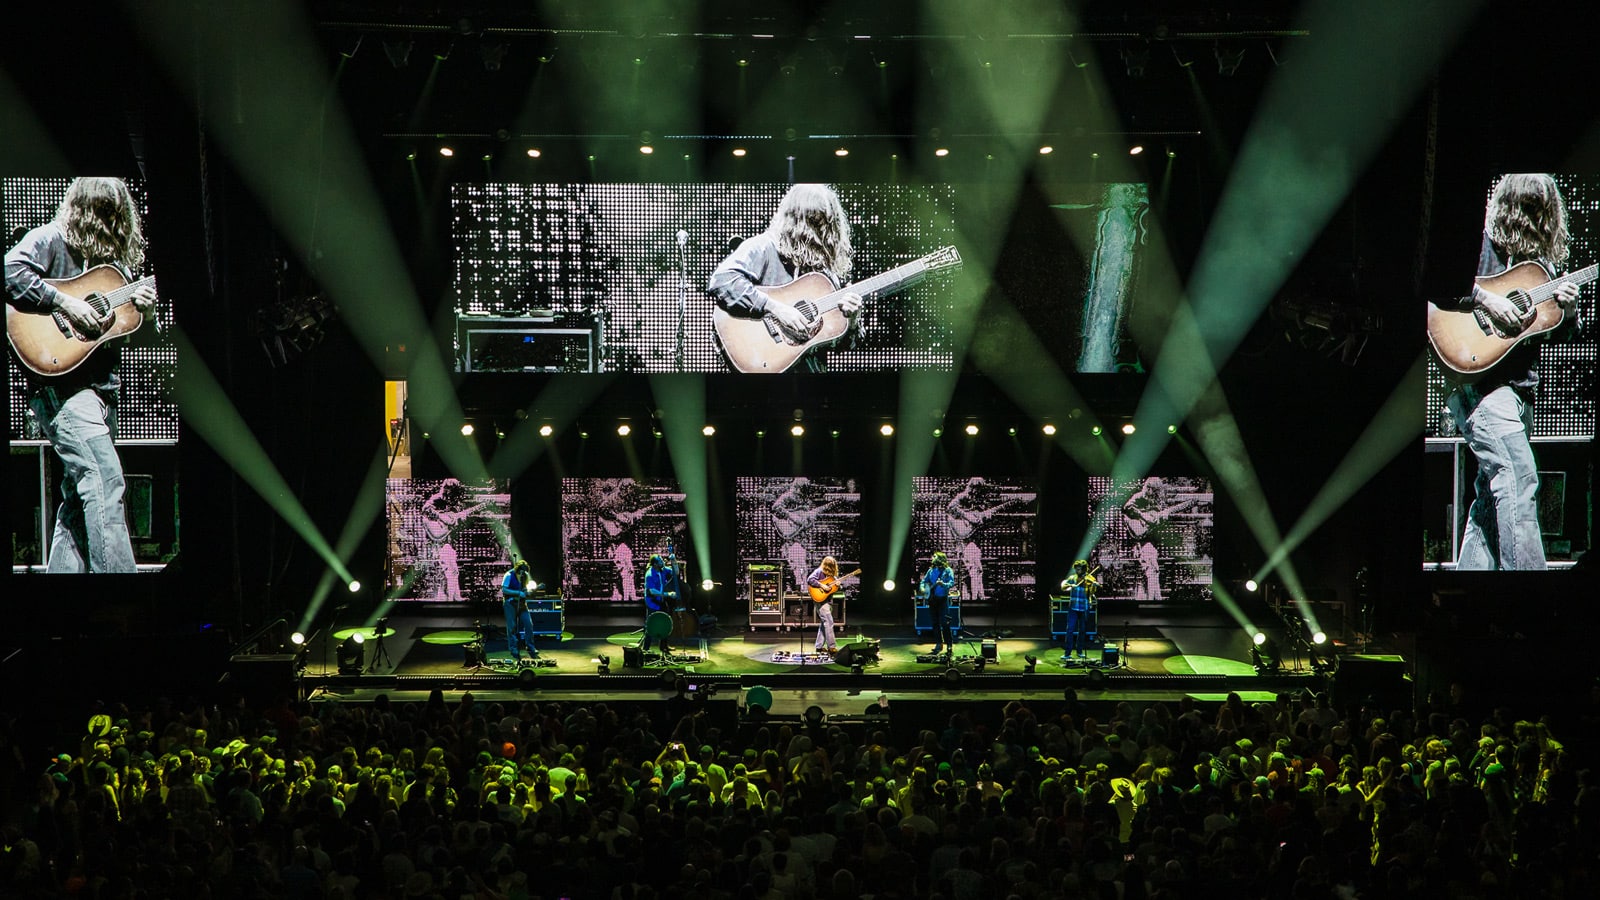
x: 563, y: 343
x: 548, y: 616
x: 924, y: 619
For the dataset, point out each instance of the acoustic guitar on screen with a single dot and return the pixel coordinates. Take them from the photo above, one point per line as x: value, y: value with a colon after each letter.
x: 48, y: 344
x: 830, y: 586
x: 760, y: 344
x: 1468, y: 344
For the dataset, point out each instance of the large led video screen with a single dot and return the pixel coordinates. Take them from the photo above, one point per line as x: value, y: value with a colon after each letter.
x: 1156, y: 538
x: 1510, y: 402
x: 791, y: 523
x: 448, y: 540
x: 987, y: 528
x: 771, y: 278
x: 610, y: 527
x: 92, y: 479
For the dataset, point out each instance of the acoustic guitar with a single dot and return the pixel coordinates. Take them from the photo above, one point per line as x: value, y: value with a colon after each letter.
x: 48, y: 344
x: 829, y: 586
x: 760, y: 344
x: 1467, y: 344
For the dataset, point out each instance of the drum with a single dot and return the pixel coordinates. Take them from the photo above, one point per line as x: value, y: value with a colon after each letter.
x: 685, y: 624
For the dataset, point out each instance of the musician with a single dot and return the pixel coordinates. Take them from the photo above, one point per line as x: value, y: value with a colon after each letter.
x: 1082, y: 595
x: 809, y: 232
x: 660, y: 595
x: 519, y: 624
x: 1525, y: 220
x: 935, y: 586
x: 825, y: 577
x: 97, y: 223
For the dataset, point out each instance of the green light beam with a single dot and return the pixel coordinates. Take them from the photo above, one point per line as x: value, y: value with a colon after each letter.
x: 682, y: 399
x: 1231, y: 607
x: 1392, y: 430
x: 559, y: 403
x: 363, y: 512
x: 213, y: 417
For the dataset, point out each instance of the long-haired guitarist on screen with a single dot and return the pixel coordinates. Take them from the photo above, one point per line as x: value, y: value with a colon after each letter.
x: 97, y: 224
x: 808, y: 233
x: 1526, y: 221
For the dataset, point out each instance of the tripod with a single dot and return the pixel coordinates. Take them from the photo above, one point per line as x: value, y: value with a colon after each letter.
x: 381, y: 651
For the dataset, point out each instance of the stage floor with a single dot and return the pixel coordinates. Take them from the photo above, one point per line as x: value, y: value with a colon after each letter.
x: 1203, y: 655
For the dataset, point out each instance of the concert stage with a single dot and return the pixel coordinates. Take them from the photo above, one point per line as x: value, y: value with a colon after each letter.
x: 1155, y: 658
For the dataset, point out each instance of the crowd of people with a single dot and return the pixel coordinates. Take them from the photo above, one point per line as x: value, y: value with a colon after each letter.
x: 458, y: 798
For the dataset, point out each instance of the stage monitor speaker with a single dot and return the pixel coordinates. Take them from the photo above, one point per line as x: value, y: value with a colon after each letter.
x: 991, y: 650
x: 1108, y: 656
x: 633, y: 656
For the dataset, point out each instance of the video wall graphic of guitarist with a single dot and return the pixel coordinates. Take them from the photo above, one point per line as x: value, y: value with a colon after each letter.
x: 447, y: 539
x: 986, y: 525
x: 1156, y: 537
x: 795, y: 521
x: 1513, y: 359
x: 611, y: 527
x: 79, y: 297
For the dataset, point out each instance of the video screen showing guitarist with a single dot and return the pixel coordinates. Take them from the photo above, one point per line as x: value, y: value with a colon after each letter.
x: 71, y: 295
x: 809, y: 235
x: 1526, y: 222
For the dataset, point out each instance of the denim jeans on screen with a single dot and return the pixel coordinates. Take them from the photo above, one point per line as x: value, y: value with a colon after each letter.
x: 91, y: 532
x: 1502, y: 529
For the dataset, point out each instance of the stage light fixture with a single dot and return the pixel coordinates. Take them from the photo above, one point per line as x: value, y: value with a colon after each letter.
x: 1096, y: 430
x: 466, y: 429
x: 797, y: 429
x: 739, y: 152
x: 1172, y: 154
x: 938, y: 432
x: 298, y: 639
x: 709, y: 430
x: 583, y: 435
x: 411, y: 155
x: 447, y: 151
x: 1029, y: 663
x: 1259, y: 638
x: 1251, y: 585
x: 841, y: 152
x: 624, y: 429
x: 1264, y: 655
x: 355, y: 586
x: 1128, y: 428
x: 886, y: 430
x: 951, y: 676
x: 646, y: 149
x: 534, y: 153
x: 546, y: 430
x: 1136, y: 149
x: 942, y: 152
x: 1046, y: 150
x: 1012, y: 431
x: 352, y: 657
x: 814, y: 715
x: 1172, y: 429
x: 707, y: 584
x: 488, y: 157
x: 1319, y: 638
x: 1048, y: 429
x: 836, y: 432
x: 888, y: 584
x: 972, y: 430
x: 761, y: 432
x: 602, y: 664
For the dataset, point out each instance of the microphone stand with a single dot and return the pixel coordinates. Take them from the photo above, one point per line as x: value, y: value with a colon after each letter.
x: 683, y: 291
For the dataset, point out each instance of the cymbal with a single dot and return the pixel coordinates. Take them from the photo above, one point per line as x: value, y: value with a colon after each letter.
x: 367, y: 633
x: 450, y: 637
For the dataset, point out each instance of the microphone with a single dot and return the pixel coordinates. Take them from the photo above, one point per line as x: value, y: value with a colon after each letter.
x: 683, y: 238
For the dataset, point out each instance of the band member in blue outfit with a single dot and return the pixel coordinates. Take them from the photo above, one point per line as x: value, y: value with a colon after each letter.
x: 660, y: 595
x: 1082, y: 589
x: 519, y: 625
x: 935, y: 587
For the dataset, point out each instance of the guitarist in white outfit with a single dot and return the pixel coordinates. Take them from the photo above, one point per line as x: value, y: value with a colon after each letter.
x: 1526, y: 220
x: 97, y: 223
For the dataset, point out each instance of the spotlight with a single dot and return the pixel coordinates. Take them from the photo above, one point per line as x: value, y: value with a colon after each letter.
x: 1046, y: 150
x: 1172, y: 154
x: 359, y: 637
x: 1264, y: 655
x: 1096, y: 430
x: 739, y: 151
x: 942, y: 152
x: 533, y: 153
x: 1259, y: 638
x: 888, y: 584
x: 761, y: 432
x: 624, y: 429
x: 1136, y: 149
x: 546, y: 430
x: 355, y: 586
x: 1094, y: 154
x: 583, y: 435
x: 886, y: 429
x: 466, y: 429
x: 1012, y: 431
x: 1048, y: 428
x: 836, y: 432
x: 1128, y: 428
x: 1172, y: 429
x: 602, y: 664
x: 298, y: 639
x: 447, y: 151
x: 352, y: 657
x: 797, y: 429
x: 1319, y: 638
x: 646, y: 149
x: 1250, y: 585
x: 972, y: 430
x: 1029, y: 663
x: 841, y: 152
x: 707, y: 584
x: 411, y: 155
x: 709, y: 430
x: 938, y: 432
